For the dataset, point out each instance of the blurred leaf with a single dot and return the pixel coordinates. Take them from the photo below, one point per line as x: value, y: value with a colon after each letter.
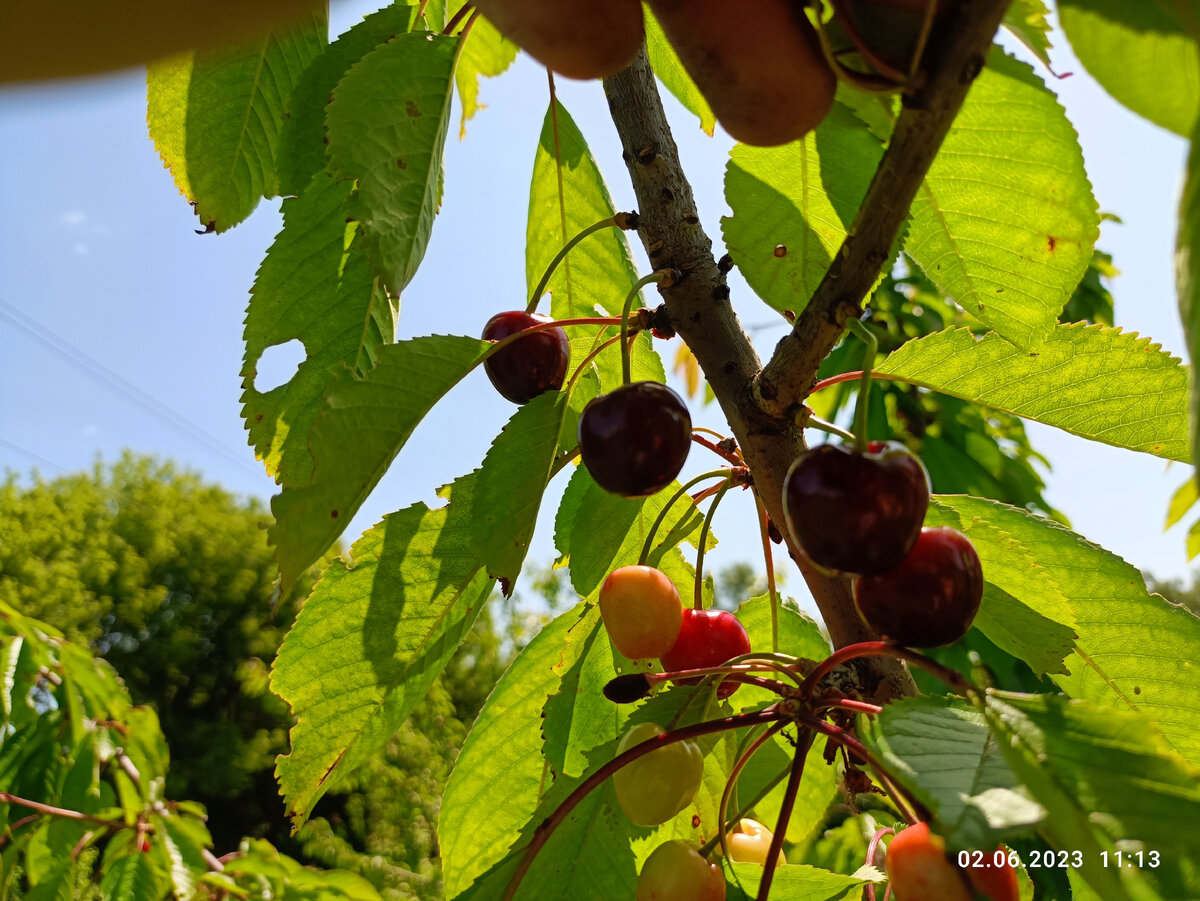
x: 792, y: 205
x: 1005, y: 221
x: 1182, y: 501
x: 1187, y: 277
x: 386, y: 126
x: 485, y: 52
x: 215, y: 117
x: 1095, y: 382
x: 1144, y: 54
x: 392, y: 621
x: 798, y: 883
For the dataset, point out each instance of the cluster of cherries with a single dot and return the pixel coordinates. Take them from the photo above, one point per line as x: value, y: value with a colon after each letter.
x: 860, y: 512
x: 856, y: 509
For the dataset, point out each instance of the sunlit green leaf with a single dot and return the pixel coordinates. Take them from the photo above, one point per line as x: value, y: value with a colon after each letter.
x: 372, y: 637
x: 1135, y: 651
x: 302, y: 138
x: 313, y: 286
x: 362, y: 426
x: 670, y: 71
x: 1092, y: 381
x: 386, y: 128
x: 1182, y: 500
x: 485, y: 53
x: 792, y: 205
x: 1141, y: 53
x: 215, y: 117
x: 1005, y: 221
x: 1027, y: 20
x: 1187, y: 276
x: 799, y: 883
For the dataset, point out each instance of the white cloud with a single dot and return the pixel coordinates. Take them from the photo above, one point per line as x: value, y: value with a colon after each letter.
x: 74, y: 217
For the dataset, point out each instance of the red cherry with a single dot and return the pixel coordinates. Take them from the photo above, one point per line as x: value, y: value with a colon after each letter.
x: 534, y: 364
x: 931, y: 597
x: 707, y: 638
x: 859, y: 513
x: 919, y: 870
x: 635, y: 439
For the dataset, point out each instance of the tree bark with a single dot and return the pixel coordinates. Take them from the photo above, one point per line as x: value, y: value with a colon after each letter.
x: 760, y: 404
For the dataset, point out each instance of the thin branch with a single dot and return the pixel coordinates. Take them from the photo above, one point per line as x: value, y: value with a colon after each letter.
x: 956, y: 54
x: 48, y: 810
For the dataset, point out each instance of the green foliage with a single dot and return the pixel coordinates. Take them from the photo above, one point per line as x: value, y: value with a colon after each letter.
x: 215, y: 117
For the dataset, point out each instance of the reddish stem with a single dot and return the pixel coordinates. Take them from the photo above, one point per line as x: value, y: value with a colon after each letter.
x: 48, y: 810
x: 464, y: 10
x: 876, y: 840
x: 856, y: 706
x: 728, y: 457
x: 785, y: 814
x: 546, y: 828
x: 952, y: 678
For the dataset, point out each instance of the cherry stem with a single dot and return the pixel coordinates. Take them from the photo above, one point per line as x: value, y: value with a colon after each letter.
x: 723, y: 454
x: 750, y: 805
x: 809, y: 419
x: 854, y: 706
x: 953, y: 679
x: 922, y: 38
x: 698, y: 600
x: 466, y: 29
x: 662, y: 514
x: 705, y: 494
x: 48, y: 810
x: 876, y: 841
x: 536, y: 297
x: 660, y: 275
x: 731, y: 786
x: 546, y: 828
x: 588, y: 359
x: 715, y: 434
x: 769, y: 562
x: 863, y: 48
x: 862, y: 411
x: 465, y: 10
x: 785, y: 814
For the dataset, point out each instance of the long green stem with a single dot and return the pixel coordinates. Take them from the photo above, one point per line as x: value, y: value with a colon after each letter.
x: 658, y: 276
x: 536, y: 297
x: 698, y: 601
x: 769, y: 562
x: 862, y: 411
x: 662, y: 514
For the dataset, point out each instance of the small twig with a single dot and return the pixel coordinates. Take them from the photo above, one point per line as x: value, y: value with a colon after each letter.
x: 785, y: 814
x: 465, y: 10
x: 725, y: 455
x: 49, y: 810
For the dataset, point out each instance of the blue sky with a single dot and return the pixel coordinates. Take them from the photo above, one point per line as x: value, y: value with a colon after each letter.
x: 98, y: 248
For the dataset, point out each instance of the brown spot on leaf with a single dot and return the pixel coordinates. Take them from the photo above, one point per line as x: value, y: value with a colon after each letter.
x: 506, y: 586
x: 333, y: 514
x: 780, y: 250
x: 414, y: 111
x: 402, y: 163
x: 695, y: 821
x: 1051, y: 243
x: 1137, y: 689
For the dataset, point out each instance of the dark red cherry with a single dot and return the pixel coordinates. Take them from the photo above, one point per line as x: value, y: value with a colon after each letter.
x: 635, y: 439
x: 930, y: 598
x: 858, y: 513
x: 707, y: 638
x: 536, y: 363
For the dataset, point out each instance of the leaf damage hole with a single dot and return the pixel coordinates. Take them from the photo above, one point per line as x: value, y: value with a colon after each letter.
x: 277, y: 365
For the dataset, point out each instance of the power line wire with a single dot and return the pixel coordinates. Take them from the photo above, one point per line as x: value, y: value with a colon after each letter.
x: 98, y: 372
x: 35, y: 457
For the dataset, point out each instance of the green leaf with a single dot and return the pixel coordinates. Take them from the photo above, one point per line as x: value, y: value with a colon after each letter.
x: 1187, y: 276
x: 792, y: 205
x: 313, y: 286
x: 799, y: 883
x: 1024, y: 612
x: 301, y: 152
x: 1104, y: 776
x: 1096, y: 382
x: 386, y: 127
x: 615, y: 528
x: 498, y: 775
x: 363, y: 424
x: 215, y: 117
x: 670, y: 71
x: 1182, y: 500
x: 1005, y: 220
x: 58, y: 884
x: 1134, y: 650
x: 372, y: 637
x: 511, y: 483
x: 131, y: 876
x: 1193, y: 541
x: 566, y: 195
x: 799, y: 634
x: 485, y: 52
x: 940, y: 748
x: 1141, y: 53
x: 1026, y: 19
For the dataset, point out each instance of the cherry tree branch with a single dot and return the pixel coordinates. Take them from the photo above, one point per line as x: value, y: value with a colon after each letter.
x: 699, y: 310
x: 48, y: 810
x: 954, y: 57
x: 760, y: 402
